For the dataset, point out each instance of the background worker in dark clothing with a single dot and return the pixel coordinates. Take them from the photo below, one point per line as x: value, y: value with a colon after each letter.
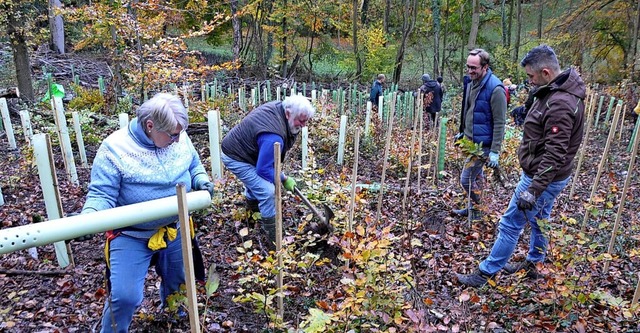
x: 376, y: 90
x: 432, y: 97
x: 551, y: 137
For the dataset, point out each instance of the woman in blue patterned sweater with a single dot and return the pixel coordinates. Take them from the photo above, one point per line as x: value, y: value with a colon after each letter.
x: 143, y: 162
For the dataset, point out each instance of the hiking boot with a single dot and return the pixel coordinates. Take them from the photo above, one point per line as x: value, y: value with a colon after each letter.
x: 268, y: 226
x: 475, y: 214
x: 528, y: 266
x: 476, y: 279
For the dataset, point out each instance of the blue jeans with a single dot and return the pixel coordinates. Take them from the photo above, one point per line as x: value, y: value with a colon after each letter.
x: 472, y: 175
x: 513, y: 222
x: 130, y: 258
x: 255, y: 187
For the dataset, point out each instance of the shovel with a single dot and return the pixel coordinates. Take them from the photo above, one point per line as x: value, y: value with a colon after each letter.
x: 324, y: 226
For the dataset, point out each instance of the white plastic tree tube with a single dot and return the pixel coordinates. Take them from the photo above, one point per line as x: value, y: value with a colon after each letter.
x: 305, y: 147
x: 214, y: 144
x: 342, y: 138
x: 25, y: 119
x: 367, y: 119
x: 65, y: 142
x: 123, y: 119
x: 79, y: 139
x: 43, y: 233
x: 6, y: 119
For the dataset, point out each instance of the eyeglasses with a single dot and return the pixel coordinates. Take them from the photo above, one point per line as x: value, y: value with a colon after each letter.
x: 173, y: 137
x: 473, y: 68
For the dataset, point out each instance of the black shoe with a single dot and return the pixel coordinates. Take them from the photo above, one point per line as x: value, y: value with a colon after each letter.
x: 476, y: 279
x: 268, y: 226
x: 529, y: 267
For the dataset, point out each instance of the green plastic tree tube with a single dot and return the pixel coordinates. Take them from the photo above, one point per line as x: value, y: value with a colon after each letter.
x: 442, y: 145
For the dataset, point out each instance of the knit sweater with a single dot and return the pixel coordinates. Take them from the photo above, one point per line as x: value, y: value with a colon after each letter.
x: 129, y: 168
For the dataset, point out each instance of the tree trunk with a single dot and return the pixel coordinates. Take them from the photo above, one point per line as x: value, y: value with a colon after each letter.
x: 237, y: 33
x: 510, y: 23
x: 408, y: 23
x: 283, y: 69
x: 387, y: 9
x: 475, y: 24
x: 540, y: 11
x: 516, y: 46
x: 634, y: 44
x: 356, y: 53
x: 20, y: 53
x: 503, y: 20
x: 445, y: 34
x: 363, y: 15
x: 435, y: 9
x: 56, y: 25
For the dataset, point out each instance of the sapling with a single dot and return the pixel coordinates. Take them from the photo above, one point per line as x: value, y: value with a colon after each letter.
x: 414, y: 129
x: 623, y: 197
x: 354, y: 177
x: 585, y: 142
x: 601, y: 166
x: 387, y: 147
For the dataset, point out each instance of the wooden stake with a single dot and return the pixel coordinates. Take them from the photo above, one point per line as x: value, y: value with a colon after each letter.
x: 623, y: 197
x: 387, y: 147
x: 621, y: 128
x: 410, y: 162
x: 354, y: 177
x: 603, y: 161
x: 187, y: 258
x: 636, y: 295
x: 585, y: 142
x: 278, y: 194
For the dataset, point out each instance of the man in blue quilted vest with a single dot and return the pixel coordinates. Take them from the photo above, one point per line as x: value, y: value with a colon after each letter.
x: 552, y: 134
x: 482, y: 120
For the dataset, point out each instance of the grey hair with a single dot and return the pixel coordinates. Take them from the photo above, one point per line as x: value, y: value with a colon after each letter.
x: 297, y: 105
x: 541, y: 57
x: 165, y: 110
x: 381, y: 77
x: 485, y: 59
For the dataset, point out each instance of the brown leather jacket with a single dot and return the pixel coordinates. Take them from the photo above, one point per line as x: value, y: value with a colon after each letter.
x: 553, y: 131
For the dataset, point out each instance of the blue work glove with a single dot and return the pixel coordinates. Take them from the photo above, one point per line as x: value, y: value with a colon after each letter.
x: 206, y: 185
x: 289, y: 184
x: 493, y: 160
x: 526, y: 201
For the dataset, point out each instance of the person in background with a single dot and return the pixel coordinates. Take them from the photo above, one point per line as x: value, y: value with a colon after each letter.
x: 482, y: 120
x: 144, y: 161
x: 432, y: 97
x: 247, y: 151
x: 376, y: 90
x: 551, y: 137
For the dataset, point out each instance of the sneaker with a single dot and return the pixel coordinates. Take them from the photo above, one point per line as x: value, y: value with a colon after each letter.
x: 528, y: 266
x: 476, y: 279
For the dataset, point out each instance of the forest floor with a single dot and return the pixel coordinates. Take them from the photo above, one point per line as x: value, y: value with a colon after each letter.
x: 411, y: 287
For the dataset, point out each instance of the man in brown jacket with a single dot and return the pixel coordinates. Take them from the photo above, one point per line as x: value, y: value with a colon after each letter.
x: 551, y: 138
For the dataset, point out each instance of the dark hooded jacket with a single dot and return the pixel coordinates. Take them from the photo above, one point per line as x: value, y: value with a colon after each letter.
x: 553, y: 131
x: 432, y: 86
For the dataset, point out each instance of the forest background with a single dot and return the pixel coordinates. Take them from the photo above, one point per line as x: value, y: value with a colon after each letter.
x: 149, y: 45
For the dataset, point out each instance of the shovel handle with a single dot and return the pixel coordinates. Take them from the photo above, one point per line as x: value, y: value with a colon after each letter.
x: 309, y: 204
